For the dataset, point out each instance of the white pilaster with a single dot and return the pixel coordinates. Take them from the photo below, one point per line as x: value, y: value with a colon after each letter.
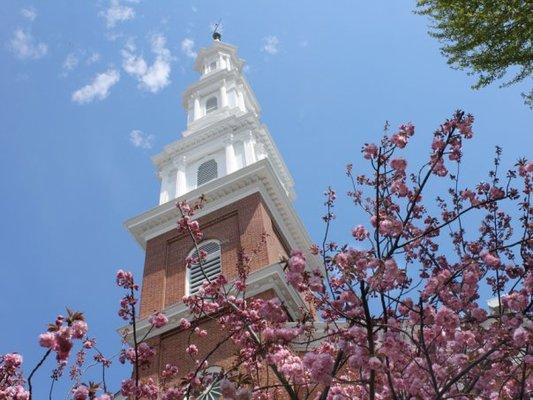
x: 249, y: 153
x: 230, y: 155
x: 223, y: 95
x: 165, y: 183
x: 197, y: 110
x: 240, y: 98
x: 181, y: 179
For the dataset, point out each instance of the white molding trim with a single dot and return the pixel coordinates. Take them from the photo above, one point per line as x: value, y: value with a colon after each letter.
x: 270, y: 277
x: 229, y: 124
x: 258, y: 177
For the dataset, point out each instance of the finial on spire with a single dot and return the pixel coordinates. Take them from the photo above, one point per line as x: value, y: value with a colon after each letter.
x: 216, y: 34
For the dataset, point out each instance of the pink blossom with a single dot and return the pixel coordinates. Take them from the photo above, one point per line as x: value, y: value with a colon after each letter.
x: 446, y: 319
x: 491, y: 260
x: 359, y: 232
x: 272, y: 310
x: 12, y: 360
x: 297, y: 261
x: 192, y: 350
x: 158, y: 320
x: 169, y: 371
x: 521, y: 336
x: 78, y: 329
x: 374, y: 363
x: 184, y: 324
x: 47, y: 339
x: 125, y: 279
x: 81, y: 392
x: 370, y: 151
x: 200, y: 332
x: 516, y: 301
x: 399, y: 164
x: 320, y: 366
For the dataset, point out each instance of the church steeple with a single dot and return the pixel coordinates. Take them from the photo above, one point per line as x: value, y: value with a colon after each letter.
x: 227, y: 157
x: 224, y: 133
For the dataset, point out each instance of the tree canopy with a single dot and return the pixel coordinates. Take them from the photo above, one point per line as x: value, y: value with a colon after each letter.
x: 490, y: 39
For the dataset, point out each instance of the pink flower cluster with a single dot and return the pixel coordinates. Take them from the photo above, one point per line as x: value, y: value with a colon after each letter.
x: 11, y: 380
x: 61, y: 334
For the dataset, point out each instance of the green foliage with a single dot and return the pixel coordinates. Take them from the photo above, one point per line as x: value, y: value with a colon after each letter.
x: 488, y: 38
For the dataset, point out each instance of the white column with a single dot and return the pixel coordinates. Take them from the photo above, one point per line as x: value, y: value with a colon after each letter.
x: 241, y: 99
x: 223, y: 95
x: 190, y: 111
x: 230, y: 155
x: 163, y: 194
x: 181, y: 179
x: 196, y: 108
x: 249, y: 153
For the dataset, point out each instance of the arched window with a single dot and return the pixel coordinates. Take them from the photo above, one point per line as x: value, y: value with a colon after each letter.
x: 209, y: 268
x: 211, y: 105
x: 212, y: 390
x: 207, y: 171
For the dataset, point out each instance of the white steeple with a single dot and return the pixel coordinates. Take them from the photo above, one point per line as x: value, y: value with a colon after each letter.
x: 224, y: 133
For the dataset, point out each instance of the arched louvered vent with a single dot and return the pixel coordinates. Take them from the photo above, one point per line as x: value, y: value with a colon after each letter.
x: 210, y: 267
x: 207, y: 171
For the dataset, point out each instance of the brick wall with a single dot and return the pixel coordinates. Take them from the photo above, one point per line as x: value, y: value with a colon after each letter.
x: 237, y: 226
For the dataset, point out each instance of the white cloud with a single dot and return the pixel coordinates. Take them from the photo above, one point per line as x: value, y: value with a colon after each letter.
x: 270, y: 45
x: 30, y: 13
x: 151, y: 77
x: 98, y: 89
x: 117, y: 13
x: 71, y: 62
x: 24, y: 45
x: 140, y: 139
x: 94, y: 57
x: 187, y: 46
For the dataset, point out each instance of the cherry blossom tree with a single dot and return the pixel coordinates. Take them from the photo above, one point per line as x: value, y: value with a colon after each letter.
x: 396, y: 313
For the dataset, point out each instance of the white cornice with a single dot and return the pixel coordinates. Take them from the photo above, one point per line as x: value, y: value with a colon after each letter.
x: 259, y: 178
x: 231, y: 124
x: 271, y: 277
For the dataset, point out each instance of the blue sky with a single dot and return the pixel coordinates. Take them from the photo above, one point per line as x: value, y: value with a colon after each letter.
x: 90, y: 90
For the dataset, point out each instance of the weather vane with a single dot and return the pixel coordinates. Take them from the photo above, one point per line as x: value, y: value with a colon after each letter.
x: 216, y: 34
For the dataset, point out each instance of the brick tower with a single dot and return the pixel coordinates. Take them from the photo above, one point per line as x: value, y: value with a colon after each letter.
x: 227, y: 155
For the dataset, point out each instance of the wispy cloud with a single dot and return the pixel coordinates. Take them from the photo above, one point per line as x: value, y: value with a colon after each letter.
x: 270, y: 45
x: 116, y: 13
x: 98, y: 89
x: 71, y: 62
x: 93, y: 58
x: 25, y: 46
x: 141, y: 139
x: 151, y: 77
x: 187, y: 47
x: 30, y: 13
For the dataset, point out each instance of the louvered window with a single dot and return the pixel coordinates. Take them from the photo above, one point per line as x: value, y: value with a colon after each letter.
x: 207, y: 171
x: 211, y: 105
x: 209, y: 268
